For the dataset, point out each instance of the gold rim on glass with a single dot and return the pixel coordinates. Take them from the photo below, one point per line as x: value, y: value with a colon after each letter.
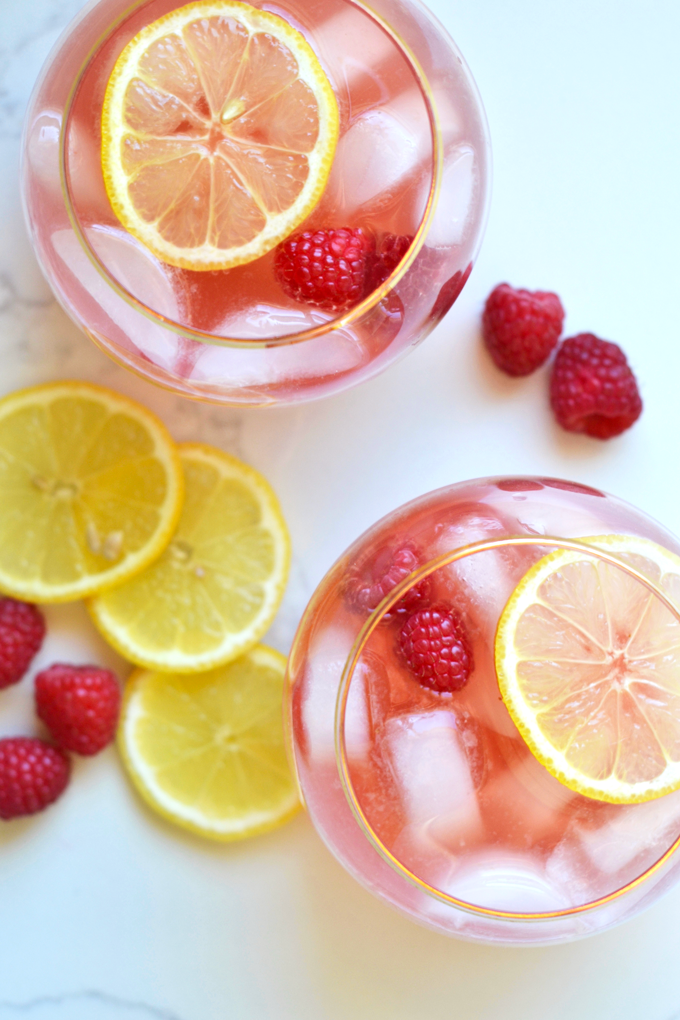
x: 354, y: 313
x: 343, y: 692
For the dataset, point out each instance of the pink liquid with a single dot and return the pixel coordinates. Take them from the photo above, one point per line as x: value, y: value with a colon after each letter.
x: 446, y: 781
x: 156, y: 318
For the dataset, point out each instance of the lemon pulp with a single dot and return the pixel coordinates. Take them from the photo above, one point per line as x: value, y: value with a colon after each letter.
x: 215, y: 589
x: 207, y: 751
x: 588, y: 664
x: 90, y: 490
x: 219, y: 127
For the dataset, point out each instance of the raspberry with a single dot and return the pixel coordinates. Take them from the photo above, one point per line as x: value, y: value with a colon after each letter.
x: 22, y: 630
x: 32, y: 775
x: 369, y: 582
x: 390, y: 252
x: 79, y: 705
x: 449, y: 293
x: 326, y: 268
x: 436, y: 649
x: 592, y: 388
x: 521, y: 327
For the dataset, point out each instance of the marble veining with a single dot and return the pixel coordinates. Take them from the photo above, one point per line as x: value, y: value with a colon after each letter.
x: 24, y: 45
x: 85, y: 1005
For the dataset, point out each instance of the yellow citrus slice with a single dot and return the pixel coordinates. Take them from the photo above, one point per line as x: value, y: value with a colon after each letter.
x: 215, y: 590
x: 91, y: 489
x: 219, y: 128
x: 207, y: 751
x: 588, y: 664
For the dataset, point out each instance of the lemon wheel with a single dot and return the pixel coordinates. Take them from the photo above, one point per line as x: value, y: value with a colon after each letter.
x: 90, y: 490
x: 214, y: 591
x: 207, y: 751
x: 588, y: 664
x: 219, y: 128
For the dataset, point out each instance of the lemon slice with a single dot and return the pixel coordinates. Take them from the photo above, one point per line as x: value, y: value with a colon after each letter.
x: 588, y: 663
x: 90, y: 490
x: 216, y: 588
x: 207, y: 751
x: 219, y: 128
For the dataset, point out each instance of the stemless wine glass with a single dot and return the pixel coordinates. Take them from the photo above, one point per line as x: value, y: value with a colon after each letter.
x: 412, y: 164
x: 433, y: 799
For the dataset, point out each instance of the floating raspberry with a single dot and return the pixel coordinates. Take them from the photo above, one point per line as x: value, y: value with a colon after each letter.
x: 389, y: 254
x: 326, y: 268
x: 449, y: 293
x: 32, y: 775
x: 436, y: 649
x: 369, y: 582
x: 22, y: 630
x: 79, y: 705
x: 521, y: 327
x: 592, y: 388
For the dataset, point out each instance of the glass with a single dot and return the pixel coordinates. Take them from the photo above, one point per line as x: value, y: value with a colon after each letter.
x: 412, y: 160
x: 434, y: 801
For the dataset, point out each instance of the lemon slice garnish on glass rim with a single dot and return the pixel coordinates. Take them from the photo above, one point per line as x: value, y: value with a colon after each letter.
x: 588, y: 664
x: 219, y: 127
x: 215, y: 589
x: 90, y: 490
x: 207, y: 751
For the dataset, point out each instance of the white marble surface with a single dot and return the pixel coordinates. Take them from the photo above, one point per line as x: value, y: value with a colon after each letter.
x: 107, y: 913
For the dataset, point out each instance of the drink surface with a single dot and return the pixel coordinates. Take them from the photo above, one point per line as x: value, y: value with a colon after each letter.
x: 446, y: 781
x: 380, y: 180
x: 404, y: 95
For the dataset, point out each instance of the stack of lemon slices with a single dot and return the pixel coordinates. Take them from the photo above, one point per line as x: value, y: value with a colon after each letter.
x: 182, y: 554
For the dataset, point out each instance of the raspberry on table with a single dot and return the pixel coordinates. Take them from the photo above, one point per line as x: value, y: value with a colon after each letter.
x: 436, y: 649
x: 79, y: 705
x: 592, y: 388
x: 370, y: 581
x: 22, y: 629
x: 521, y: 327
x: 32, y: 775
x: 326, y: 268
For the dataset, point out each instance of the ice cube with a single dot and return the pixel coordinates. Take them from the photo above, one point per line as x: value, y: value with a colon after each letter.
x: 568, y: 868
x: 327, y: 655
x: 335, y: 40
x: 261, y: 320
x: 368, y: 705
x: 455, y: 199
x: 501, y: 880
x: 553, y: 511
x: 635, y: 834
x: 380, y: 151
x: 485, y: 580
x: 431, y: 764
x: 327, y: 356
x: 368, y: 700
x: 132, y: 265
x: 479, y: 586
x: 433, y: 759
x: 42, y: 148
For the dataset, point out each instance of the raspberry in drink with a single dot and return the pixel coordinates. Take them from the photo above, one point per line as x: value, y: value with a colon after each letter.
x: 496, y: 758
x: 253, y: 204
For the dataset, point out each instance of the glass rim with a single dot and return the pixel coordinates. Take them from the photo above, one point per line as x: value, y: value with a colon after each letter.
x: 376, y: 296
x: 341, y: 756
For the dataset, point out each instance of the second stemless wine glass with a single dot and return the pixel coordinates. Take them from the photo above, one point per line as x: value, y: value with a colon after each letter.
x: 412, y: 162
x: 432, y: 798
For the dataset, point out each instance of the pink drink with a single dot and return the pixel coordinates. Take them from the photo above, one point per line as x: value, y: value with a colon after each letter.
x: 448, y: 789
x: 411, y: 161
